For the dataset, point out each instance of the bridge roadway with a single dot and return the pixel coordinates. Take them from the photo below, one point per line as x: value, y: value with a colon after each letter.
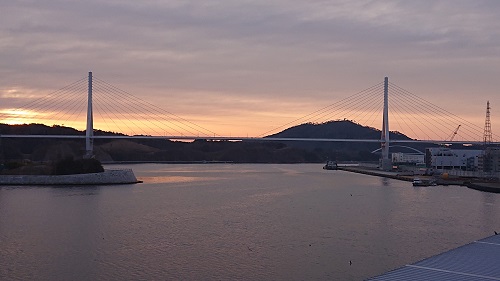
x: 221, y: 138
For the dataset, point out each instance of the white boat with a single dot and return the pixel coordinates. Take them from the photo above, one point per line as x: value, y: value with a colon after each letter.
x: 330, y: 165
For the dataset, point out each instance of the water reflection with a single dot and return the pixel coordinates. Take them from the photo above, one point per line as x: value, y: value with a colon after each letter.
x: 77, y: 190
x: 489, y: 215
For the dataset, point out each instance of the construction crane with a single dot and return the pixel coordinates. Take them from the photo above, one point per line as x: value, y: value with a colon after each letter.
x: 454, y: 133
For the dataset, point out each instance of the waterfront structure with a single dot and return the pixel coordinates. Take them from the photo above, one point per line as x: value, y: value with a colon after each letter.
x: 442, y: 158
x: 116, y: 176
x: 408, y: 158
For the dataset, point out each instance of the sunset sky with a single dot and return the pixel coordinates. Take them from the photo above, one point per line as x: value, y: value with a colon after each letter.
x: 247, y: 67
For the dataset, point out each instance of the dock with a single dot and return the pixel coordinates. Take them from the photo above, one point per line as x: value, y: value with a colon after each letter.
x: 478, y: 260
x: 375, y: 172
x: 493, y: 187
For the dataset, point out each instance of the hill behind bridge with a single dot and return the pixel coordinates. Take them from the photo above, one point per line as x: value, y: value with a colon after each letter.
x: 199, y: 150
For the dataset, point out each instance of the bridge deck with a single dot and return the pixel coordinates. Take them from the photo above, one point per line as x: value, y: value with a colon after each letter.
x: 223, y: 138
x: 475, y: 261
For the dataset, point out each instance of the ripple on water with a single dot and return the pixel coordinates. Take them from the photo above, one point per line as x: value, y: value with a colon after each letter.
x: 234, y: 222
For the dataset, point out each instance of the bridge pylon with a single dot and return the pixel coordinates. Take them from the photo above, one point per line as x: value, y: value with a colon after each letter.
x: 385, y: 160
x: 89, y: 133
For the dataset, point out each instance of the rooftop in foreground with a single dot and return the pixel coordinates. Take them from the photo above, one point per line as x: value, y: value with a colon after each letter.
x: 478, y: 260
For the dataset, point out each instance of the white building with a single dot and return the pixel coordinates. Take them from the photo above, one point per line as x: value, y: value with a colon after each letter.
x: 446, y: 158
x: 408, y: 158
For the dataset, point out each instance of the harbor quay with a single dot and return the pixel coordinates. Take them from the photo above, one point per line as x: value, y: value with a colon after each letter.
x: 444, y: 178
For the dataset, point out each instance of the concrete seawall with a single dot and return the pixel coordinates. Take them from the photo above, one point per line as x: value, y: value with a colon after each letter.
x: 378, y: 173
x: 399, y: 176
x: 486, y: 187
x: 122, y: 176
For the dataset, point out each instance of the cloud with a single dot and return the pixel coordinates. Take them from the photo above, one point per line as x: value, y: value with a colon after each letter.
x: 253, y: 55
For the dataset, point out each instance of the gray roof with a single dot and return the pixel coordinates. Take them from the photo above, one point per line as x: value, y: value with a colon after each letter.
x: 479, y: 260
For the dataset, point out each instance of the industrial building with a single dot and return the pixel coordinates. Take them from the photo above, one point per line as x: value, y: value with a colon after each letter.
x: 408, y: 158
x: 443, y: 158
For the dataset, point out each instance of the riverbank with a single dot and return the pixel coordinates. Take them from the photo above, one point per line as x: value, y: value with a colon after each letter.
x: 115, y: 176
x: 476, y: 184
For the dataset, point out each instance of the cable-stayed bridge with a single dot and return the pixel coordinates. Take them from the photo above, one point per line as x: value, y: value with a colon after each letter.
x: 108, y: 108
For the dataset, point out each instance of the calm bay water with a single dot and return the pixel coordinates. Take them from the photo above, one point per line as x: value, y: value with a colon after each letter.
x: 227, y: 222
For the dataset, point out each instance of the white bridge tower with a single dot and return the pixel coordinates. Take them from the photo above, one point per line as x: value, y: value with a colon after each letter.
x: 89, y: 133
x: 385, y: 160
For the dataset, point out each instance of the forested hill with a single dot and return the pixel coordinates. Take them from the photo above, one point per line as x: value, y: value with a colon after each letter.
x: 41, y: 129
x: 200, y: 150
x: 340, y: 129
x: 343, y: 129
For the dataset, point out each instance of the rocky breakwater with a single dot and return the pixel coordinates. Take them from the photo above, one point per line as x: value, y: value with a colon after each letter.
x: 121, y: 176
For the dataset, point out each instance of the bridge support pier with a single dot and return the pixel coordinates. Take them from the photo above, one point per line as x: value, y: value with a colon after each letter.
x: 385, y: 160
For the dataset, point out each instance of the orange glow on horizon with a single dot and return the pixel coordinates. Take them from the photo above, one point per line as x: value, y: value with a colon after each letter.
x: 258, y: 124
x: 17, y: 117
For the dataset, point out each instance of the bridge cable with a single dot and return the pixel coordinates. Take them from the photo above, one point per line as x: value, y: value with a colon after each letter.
x: 115, y: 97
x: 320, y: 111
x: 150, y: 105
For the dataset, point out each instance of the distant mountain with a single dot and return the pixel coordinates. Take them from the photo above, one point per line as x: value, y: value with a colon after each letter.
x: 41, y: 129
x: 343, y: 129
x: 340, y: 129
x: 37, y: 129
